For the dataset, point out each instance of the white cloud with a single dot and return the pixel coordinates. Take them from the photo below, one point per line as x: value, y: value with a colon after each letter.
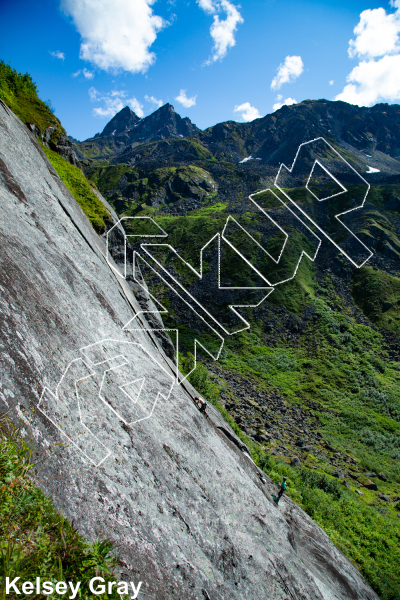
x: 290, y: 70
x: 184, y: 100
x: 332, y: 81
x: 375, y: 79
x: 58, y: 54
x: 94, y: 94
x: 287, y: 102
x: 136, y: 106
x: 208, y: 6
x: 114, y: 101
x: 371, y: 81
x: 222, y: 30
x: 85, y: 72
x: 116, y: 34
x: 154, y: 100
x: 377, y: 34
x: 248, y: 112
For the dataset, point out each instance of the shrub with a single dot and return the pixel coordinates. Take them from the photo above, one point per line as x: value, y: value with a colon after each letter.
x: 81, y: 189
x: 36, y: 541
x: 315, y: 480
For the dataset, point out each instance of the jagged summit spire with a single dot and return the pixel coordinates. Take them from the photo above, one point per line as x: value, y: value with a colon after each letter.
x: 124, y: 120
x: 167, y: 108
x: 126, y: 127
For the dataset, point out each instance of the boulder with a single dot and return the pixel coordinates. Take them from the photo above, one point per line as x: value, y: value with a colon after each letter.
x: 383, y: 497
x: 330, y: 448
x: 262, y: 438
x: 367, y: 483
x: 295, y: 462
x: 301, y: 443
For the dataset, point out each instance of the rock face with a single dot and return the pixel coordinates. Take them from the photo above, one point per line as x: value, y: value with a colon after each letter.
x: 184, y: 504
x: 62, y: 145
x: 171, y: 185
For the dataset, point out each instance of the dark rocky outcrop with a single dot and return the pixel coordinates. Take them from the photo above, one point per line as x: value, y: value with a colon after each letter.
x: 122, y: 122
x: 184, y: 505
x: 162, y: 124
x: 126, y: 131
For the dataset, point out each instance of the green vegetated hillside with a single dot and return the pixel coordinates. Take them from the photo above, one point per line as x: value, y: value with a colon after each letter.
x: 19, y: 92
x: 317, y: 375
x: 81, y: 189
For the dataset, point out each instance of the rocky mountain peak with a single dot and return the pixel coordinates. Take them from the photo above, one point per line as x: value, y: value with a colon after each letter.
x: 166, y: 108
x: 161, y: 124
x: 123, y: 121
x: 126, y: 128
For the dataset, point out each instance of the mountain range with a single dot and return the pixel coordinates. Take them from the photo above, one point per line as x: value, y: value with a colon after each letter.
x: 369, y: 135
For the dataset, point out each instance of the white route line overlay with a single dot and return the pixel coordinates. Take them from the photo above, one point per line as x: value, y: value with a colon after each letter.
x: 233, y: 307
x: 283, y: 166
x: 163, y: 234
x: 303, y: 252
x: 88, y: 364
x: 179, y: 378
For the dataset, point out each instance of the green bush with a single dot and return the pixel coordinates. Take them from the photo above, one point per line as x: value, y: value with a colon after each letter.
x: 313, y: 479
x: 19, y: 92
x: 36, y: 541
x: 11, y: 80
x: 81, y: 189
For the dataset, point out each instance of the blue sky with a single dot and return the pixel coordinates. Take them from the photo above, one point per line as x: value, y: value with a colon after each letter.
x: 214, y: 60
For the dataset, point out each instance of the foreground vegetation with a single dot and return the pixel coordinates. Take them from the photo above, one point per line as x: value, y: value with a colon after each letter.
x: 35, y: 540
x: 20, y: 93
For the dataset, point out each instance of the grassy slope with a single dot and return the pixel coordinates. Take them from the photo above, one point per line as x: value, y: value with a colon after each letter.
x: 81, y: 189
x: 366, y: 529
x: 20, y: 94
x: 378, y: 296
x: 36, y: 541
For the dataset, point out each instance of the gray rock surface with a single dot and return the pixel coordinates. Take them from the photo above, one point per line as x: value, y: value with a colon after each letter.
x: 183, y: 503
